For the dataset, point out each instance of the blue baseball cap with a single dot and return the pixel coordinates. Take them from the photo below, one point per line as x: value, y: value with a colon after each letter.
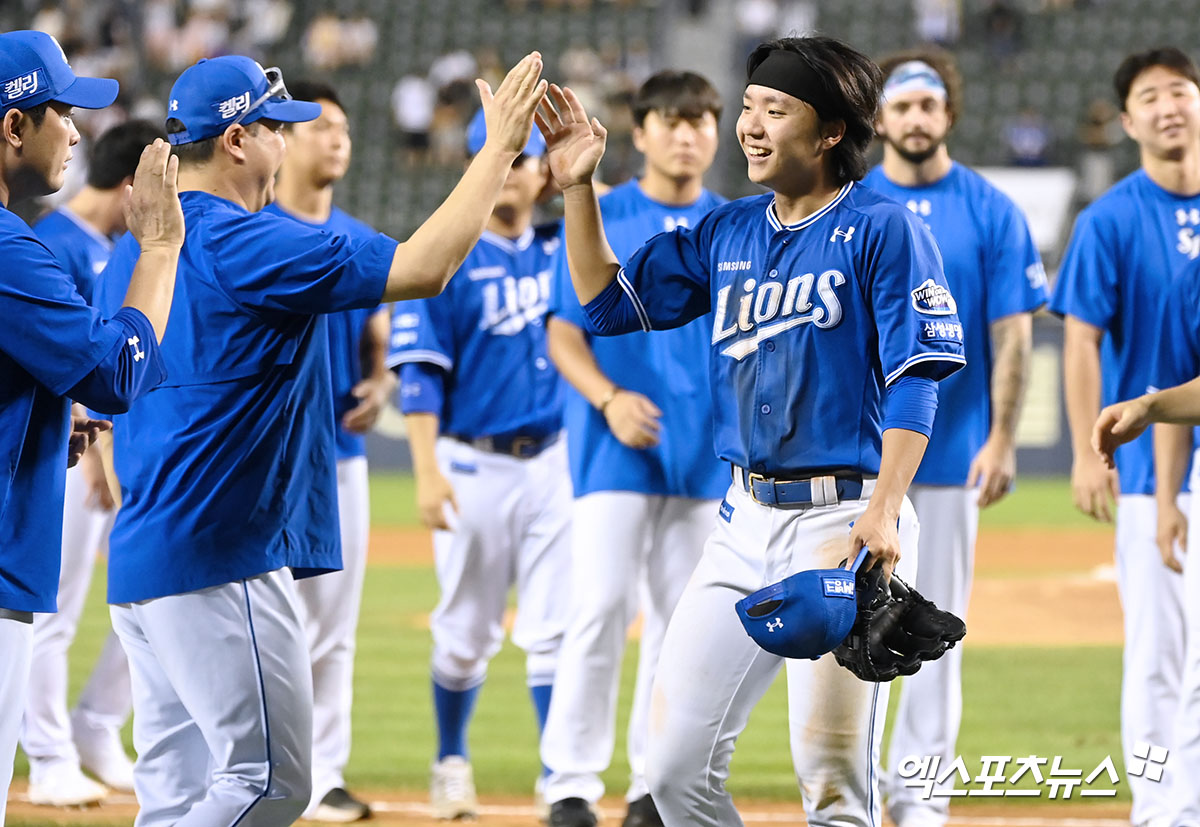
x: 217, y: 92
x: 477, y: 134
x: 805, y: 615
x: 34, y: 69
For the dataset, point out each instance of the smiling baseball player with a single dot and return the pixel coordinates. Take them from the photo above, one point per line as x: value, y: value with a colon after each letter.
x: 831, y: 324
x: 1127, y: 249
x: 998, y: 280
x: 228, y: 473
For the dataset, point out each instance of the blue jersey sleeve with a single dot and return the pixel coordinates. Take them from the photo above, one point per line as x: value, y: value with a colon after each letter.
x: 665, y: 284
x: 60, y: 340
x: 1179, y: 354
x: 915, y: 314
x: 1087, y: 286
x: 422, y: 388
x: 422, y: 331
x: 277, y: 264
x: 1016, y: 279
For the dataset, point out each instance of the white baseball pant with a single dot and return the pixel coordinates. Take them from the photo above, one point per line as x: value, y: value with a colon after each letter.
x: 620, y: 540
x: 46, y: 734
x: 16, y: 642
x: 511, y: 528
x: 222, y: 699
x: 1185, y: 758
x: 929, y: 710
x: 1152, y: 602
x: 711, y: 674
x: 329, y: 607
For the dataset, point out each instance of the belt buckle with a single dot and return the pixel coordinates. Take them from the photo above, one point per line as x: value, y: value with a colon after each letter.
x: 520, y: 443
x: 751, y: 477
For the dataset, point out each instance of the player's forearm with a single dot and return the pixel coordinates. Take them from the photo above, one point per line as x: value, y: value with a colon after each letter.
x: 575, y: 361
x: 152, y: 286
x: 422, y: 441
x: 1172, y: 450
x: 901, y: 456
x: 423, y: 264
x: 1179, y: 405
x: 1081, y: 382
x: 1012, y: 339
x: 591, y: 260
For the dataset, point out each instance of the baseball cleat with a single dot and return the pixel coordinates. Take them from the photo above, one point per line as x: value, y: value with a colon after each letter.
x: 66, y: 787
x: 340, y: 807
x: 102, y: 754
x: 452, y: 789
x: 572, y: 812
x: 642, y: 813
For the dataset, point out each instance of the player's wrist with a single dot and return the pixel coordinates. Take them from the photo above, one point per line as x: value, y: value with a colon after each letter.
x: 604, y: 401
x: 581, y: 190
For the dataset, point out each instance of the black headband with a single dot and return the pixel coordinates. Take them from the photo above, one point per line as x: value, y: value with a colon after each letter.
x: 786, y: 71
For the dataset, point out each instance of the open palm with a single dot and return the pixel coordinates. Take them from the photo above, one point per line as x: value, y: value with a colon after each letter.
x: 574, y: 143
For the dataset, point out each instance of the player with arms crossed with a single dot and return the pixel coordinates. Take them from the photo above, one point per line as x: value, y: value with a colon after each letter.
x: 228, y: 472
x: 1177, y: 409
x: 483, y: 405
x: 1127, y: 248
x: 824, y: 385
x: 639, y: 442
x: 318, y: 155
x: 998, y: 280
x: 80, y: 235
x: 57, y: 347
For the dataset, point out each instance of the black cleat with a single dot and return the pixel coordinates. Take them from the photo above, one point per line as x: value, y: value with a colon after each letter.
x: 339, y: 807
x: 571, y: 812
x: 642, y: 813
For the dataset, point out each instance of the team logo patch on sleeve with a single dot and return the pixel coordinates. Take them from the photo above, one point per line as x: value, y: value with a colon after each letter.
x: 933, y: 299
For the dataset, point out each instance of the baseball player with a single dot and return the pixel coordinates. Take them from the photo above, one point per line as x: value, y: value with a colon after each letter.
x: 483, y: 406
x: 1177, y: 409
x: 318, y: 154
x: 57, y: 347
x: 228, y: 472
x: 1126, y: 249
x: 998, y: 280
x: 646, y: 480
x: 80, y: 236
x: 825, y: 298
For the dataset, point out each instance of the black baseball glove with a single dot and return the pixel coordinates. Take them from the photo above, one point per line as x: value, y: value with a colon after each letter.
x: 895, y: 631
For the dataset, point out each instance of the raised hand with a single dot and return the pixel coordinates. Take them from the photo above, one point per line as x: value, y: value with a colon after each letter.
x: 574, y: 143
x: 152, y: 210
x: 508, y: 111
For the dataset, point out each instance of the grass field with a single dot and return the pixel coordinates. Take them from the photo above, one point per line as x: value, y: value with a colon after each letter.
x: 1018, y: 701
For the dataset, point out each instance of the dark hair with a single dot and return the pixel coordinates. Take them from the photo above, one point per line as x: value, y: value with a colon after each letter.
x: 37, y: 114
x: 313, y: 90
x: 853, y: 84
x: 1167, y: 57
x: 115, y: 154
x: 683, y: 94
x: 202, y: 151
x: 942, y: 62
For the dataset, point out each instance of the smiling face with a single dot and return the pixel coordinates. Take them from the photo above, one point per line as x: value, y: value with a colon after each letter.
x: 914, y: 124
x: 1162, y: 113
x: 784, y: 141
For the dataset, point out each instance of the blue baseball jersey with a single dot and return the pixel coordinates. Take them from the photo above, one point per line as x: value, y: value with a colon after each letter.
x: 227, y: 470
x: 345, y: 330
x: 1180, y: 362
x: 669, y: 367
x: 487, y: 332
x: 55, y: 346
x: 80, y: 248
x: 1126, y: 250
x: 994, y: 270
x: 811, y: 322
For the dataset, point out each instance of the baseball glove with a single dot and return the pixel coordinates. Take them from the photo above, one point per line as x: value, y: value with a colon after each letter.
x: 895, y: 630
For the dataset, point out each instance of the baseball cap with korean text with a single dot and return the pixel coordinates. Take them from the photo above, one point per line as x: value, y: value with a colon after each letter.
x: 34, y: 70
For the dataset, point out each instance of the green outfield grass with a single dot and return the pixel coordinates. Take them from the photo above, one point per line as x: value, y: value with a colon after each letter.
x: 1017, y: 701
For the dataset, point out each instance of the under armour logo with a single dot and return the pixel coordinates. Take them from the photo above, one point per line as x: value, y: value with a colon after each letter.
x: 671, y: 222
x: 922, y: 207
x: 1185, y: 217
x: 135, y: 342
x: 1148, y: 761
x: 174, y: 106
x: 775, y: 625
x: 846, y: 236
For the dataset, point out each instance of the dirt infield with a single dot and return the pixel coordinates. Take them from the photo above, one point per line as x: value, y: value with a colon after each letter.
x: 1032, y: 587
x: 514, y: 812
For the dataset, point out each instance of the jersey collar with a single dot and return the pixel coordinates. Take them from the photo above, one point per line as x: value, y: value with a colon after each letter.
x: 99, y: 237
x: 512, y: 245
x: 809, y: 220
